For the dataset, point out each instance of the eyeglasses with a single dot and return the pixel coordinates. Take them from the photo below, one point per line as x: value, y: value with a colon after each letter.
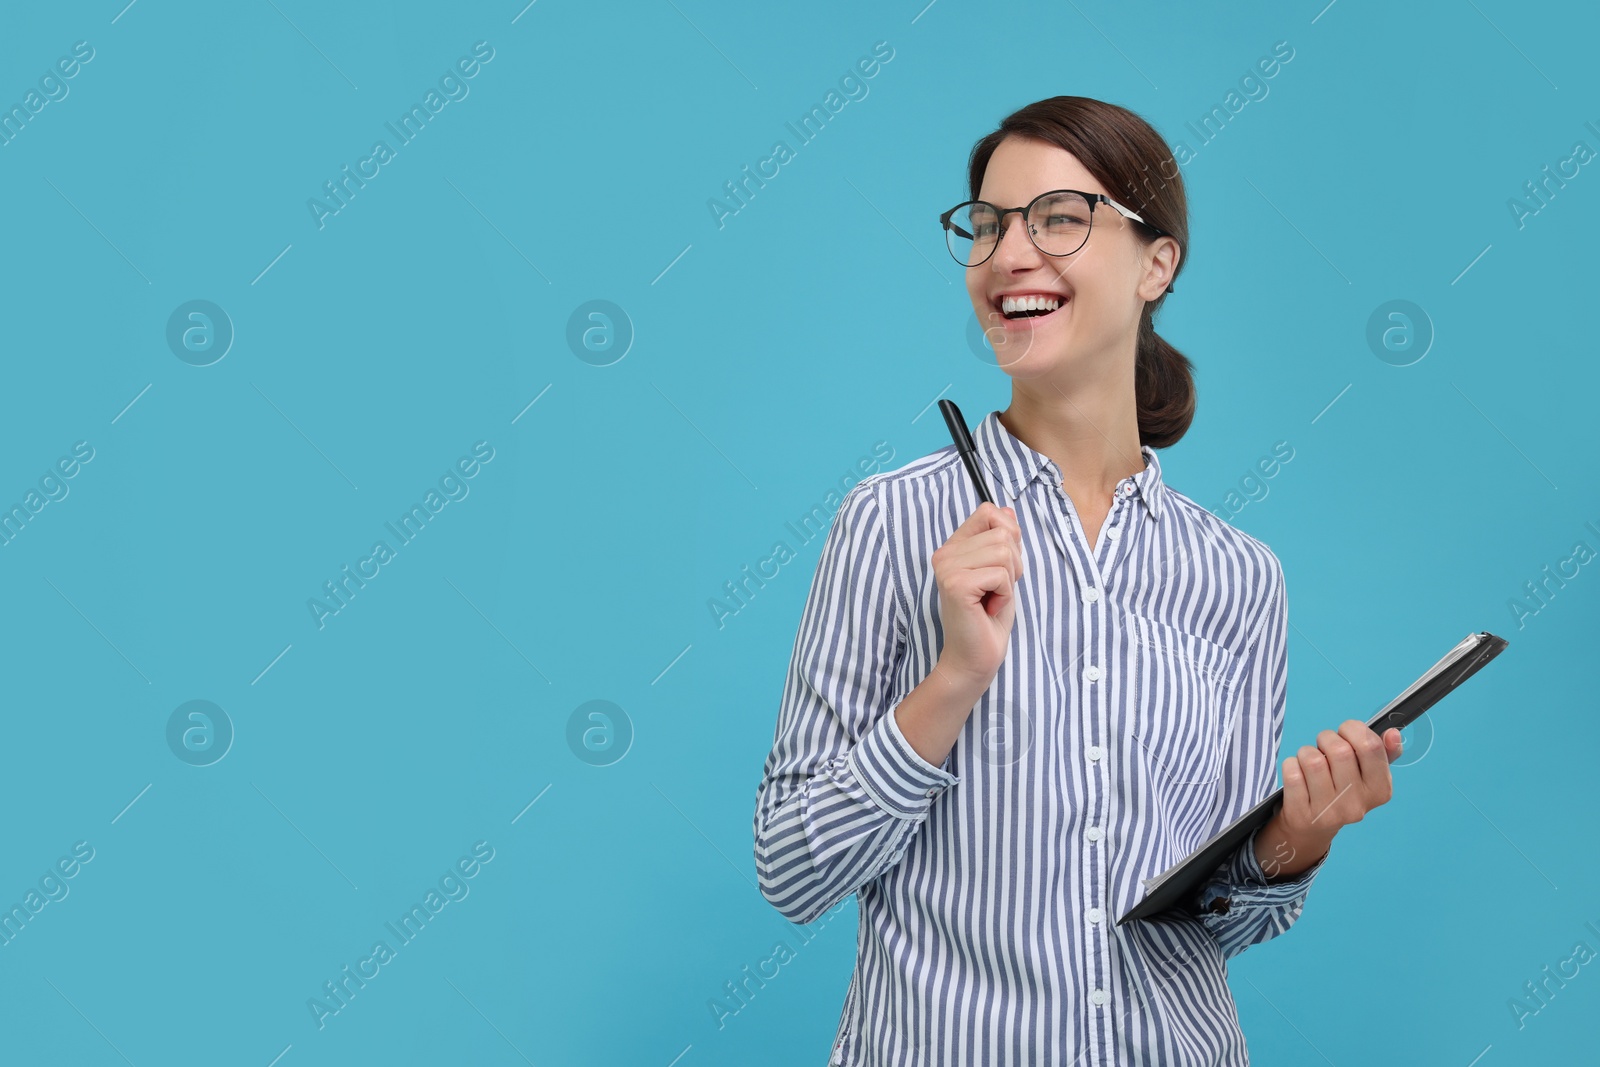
x: 1058, y: 224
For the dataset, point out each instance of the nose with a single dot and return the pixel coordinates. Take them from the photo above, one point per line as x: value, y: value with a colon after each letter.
x: 1016, y: 249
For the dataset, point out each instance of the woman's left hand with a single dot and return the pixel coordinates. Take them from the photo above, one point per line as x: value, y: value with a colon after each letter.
x: 1336, y: 782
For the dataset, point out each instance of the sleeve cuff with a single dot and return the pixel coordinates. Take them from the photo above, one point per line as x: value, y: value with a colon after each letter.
x: 901, y: 782
x: 1252, y: 874
x: 1241, y: 879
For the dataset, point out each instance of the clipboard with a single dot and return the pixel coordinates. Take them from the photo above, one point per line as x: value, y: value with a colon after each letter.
x: 1188, y: 876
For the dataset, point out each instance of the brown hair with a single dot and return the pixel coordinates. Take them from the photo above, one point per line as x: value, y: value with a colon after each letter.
x: 1133, y: 162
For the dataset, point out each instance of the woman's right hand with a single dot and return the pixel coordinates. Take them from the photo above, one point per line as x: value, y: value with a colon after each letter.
x: 976, y: 571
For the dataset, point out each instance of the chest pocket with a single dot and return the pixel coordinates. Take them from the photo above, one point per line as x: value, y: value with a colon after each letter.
x: 1182, y: 700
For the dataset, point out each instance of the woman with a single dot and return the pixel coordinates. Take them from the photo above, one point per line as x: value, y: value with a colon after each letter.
x: 1000, y: 718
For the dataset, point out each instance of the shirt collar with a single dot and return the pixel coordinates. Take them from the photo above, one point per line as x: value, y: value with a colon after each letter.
x: 1012, y: 465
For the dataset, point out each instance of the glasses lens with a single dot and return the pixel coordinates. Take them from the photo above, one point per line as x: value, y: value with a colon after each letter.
x: 972, y: 233
x: 1060, y: 223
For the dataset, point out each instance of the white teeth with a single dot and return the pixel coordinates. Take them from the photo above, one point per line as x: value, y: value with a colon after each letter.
x: 1010, y: 304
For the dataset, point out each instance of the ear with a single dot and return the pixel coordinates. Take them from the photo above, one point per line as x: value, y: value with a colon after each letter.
x: 1161, y: 258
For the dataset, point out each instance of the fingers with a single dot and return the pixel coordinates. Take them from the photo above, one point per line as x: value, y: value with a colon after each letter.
x: 990, y: 537
x: 992, y: 548
x: 1339, y: 779
x: 1346, y: 784
x: 980, y: 552
x: 1319, y: 788
x: 1296, y: 801
x: 1350, y: 778
x: 1372, y: 758
x: 988, y: 516
x: 999, y: 581
x: 967, y: 581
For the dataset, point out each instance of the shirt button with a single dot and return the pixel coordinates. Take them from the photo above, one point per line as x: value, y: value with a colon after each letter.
x: 1095, y: 915
x: 931, y: 792
x: 1091, y: 595
x: 1095, y: 752
x: 1092, y: 833
x: 1091, y: 674
x: 1099, y: 996
x: 1114, y: 532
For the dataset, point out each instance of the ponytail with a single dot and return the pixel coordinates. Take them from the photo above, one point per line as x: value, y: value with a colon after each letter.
x: 1163, y: 386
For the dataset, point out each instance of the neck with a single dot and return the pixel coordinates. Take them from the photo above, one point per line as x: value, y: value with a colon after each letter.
x: 1090, y: 432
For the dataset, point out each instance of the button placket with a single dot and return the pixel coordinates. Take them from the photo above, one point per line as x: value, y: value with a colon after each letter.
x: 1101, y: 560
x: 1093, y: 724
x: 1115, y: 520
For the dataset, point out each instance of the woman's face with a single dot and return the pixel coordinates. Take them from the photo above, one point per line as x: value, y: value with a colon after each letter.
x: 1102, y: 287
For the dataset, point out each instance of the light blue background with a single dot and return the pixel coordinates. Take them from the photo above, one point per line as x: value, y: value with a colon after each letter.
x: 769, y: 356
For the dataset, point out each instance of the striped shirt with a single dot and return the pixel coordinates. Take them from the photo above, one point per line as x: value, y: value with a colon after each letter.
x: 1138, y: 711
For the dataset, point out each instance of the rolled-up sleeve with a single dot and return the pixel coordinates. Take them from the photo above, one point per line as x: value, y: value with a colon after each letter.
x: 842, y: 790
x: 1237, y: 903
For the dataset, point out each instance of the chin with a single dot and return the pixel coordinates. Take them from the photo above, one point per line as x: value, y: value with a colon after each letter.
x: 1035, y: 357
x: 1036, y: 365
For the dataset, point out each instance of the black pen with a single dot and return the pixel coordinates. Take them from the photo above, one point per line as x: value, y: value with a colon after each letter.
x: 964, y: 445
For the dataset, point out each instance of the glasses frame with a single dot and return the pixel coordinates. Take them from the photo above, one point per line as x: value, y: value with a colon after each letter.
x: 1093, y: 199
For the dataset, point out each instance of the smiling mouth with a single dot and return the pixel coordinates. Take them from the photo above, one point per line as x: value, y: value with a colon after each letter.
x: 1016, y: 318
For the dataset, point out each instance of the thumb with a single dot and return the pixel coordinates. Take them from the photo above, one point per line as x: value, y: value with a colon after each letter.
x: 1392, y: 743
